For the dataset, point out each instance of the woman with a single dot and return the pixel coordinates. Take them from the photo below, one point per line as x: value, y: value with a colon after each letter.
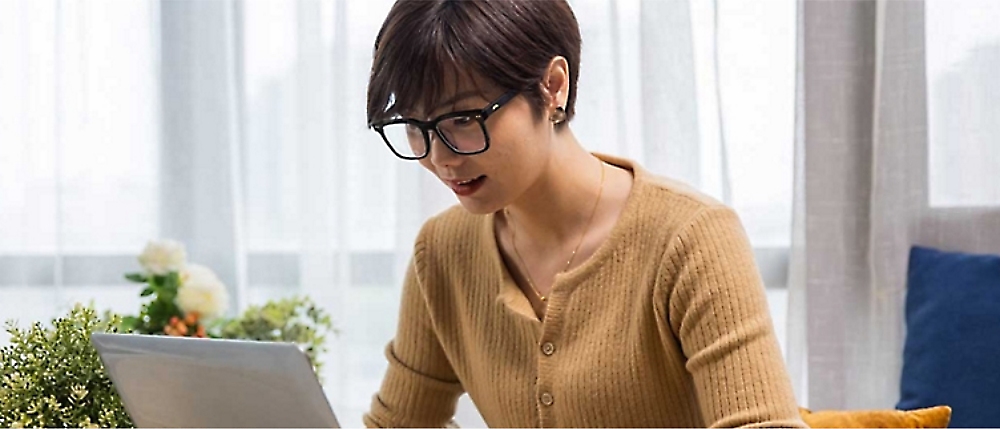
x: 568, y: 288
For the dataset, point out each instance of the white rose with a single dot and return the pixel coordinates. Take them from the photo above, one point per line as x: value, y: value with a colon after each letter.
x: 162, y: 257
x: 201, y: 292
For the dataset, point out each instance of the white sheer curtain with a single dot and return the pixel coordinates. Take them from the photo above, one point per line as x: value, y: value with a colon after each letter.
x: 897, y: 146
x: 238, y: 128
x: 79, y: 142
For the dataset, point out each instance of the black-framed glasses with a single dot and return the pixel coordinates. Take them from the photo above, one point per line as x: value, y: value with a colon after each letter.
x: 464, y: 132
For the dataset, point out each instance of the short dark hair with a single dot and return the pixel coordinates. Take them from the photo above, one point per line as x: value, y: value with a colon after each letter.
x: 508, y: 42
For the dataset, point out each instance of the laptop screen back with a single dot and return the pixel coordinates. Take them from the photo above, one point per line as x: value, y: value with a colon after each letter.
x: 188, y: 382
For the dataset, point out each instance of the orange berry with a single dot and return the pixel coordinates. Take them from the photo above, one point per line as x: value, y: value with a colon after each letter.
x: 182, y: 329
x: 191, y: 319
x: 174, y: 320
x: 201, y: 331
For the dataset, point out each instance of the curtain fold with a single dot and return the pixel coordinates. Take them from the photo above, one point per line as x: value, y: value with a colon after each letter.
x: 862, y: 198
x: 200, y: 181
x: 833, y: 172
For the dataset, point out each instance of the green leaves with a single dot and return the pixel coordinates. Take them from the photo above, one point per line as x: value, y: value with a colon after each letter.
x: 53, y: 376
x: 156, y: 314
x: 129, y: 323
x: 137, y: 277
x: 292, y: 320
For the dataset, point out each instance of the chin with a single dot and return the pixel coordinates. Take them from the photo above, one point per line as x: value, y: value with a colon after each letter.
x: 478, y: 207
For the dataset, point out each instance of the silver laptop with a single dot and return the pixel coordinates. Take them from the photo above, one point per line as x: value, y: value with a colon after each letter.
x: 193, y: 382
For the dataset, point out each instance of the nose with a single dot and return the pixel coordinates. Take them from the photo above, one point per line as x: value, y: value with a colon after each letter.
x: 440, y: 154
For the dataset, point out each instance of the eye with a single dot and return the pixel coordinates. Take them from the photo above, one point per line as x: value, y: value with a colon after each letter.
x: 413, y: 130
x: 463, y: 121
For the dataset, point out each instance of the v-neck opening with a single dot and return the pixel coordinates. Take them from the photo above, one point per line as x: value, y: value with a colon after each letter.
x: 515, y: 298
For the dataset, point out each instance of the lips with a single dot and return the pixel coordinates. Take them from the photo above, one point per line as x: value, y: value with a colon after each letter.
x: 465, y: 186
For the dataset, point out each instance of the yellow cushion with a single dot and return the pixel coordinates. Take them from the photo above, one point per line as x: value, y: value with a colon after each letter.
x: 934, y: 417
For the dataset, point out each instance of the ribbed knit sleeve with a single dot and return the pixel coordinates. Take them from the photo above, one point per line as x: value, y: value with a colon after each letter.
x: 664, y: 325
x: 420, y: 388
x: 718, y: 309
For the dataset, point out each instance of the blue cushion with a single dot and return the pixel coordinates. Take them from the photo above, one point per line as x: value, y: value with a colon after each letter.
x: 952, y: 352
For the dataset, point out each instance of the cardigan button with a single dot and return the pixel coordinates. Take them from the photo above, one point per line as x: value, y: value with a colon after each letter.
x: 548, y: 349
x: 547, y: 399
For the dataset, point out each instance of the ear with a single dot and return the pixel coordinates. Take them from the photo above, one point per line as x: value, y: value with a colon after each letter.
x: 555, y: 83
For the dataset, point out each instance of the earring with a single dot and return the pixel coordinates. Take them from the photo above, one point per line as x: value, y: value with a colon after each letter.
x: 559, y: 116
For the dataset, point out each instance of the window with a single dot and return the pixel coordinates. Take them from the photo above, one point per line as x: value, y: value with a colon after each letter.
x: 963, y: 56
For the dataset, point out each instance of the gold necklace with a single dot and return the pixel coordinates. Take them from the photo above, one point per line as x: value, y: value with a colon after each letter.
x: 572, y: 256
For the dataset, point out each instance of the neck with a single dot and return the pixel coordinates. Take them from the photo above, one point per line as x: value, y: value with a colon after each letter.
x: 558, y: 206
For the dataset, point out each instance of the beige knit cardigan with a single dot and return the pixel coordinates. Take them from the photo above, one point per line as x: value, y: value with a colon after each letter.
x: 666, y: 325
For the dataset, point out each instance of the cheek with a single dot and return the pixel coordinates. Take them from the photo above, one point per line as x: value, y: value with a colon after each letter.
x: 517, y: 123
x: 516, y: 140
x: 519, y: 147
x: 512, y: 164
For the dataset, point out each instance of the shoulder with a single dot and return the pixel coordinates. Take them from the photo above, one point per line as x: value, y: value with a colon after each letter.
x: 451, y: 234
x: 695, y: 219
x: 666, y: 208
x: 452, y: 251
x: 672, y: 194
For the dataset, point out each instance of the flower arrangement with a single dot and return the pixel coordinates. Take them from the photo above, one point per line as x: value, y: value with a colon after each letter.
x: 184, y: 295
x: 52, y: 376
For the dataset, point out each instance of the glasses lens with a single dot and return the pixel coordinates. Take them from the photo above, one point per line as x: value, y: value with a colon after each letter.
x: 406, y: 140
x: 465, y: 133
